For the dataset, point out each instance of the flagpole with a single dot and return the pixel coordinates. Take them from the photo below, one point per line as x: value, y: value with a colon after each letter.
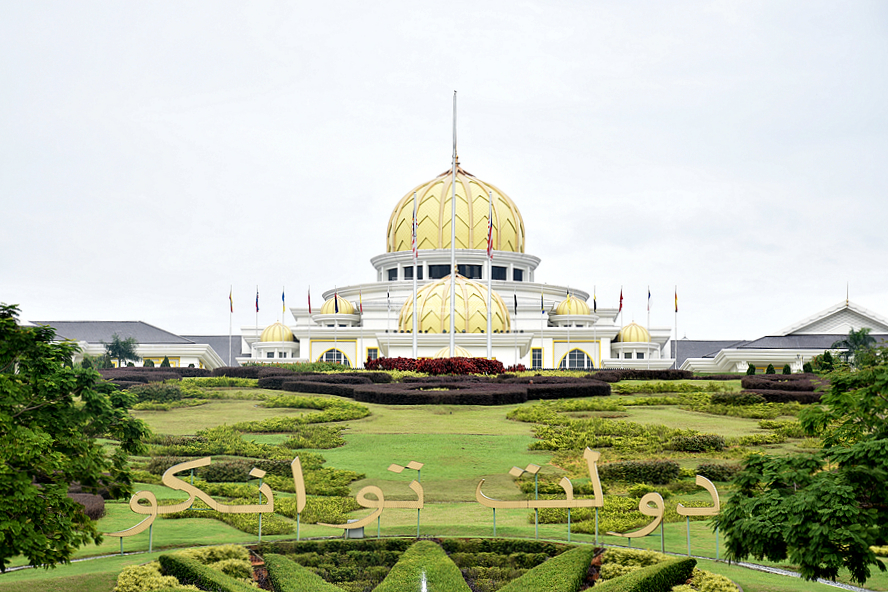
x: 360, y: 354
x: 257, y: 313
x: 310, y: 321
x: 415, y: 253
x: 594, y: 325
x: 542, y: 326
x: 453, y: 238
x: 489, y: 272
x: 230, y: 317
x: 515, y: 326
x: 649, y: 326
x: 675, y: 352
x: 569, y: 312
x: 335, y: 320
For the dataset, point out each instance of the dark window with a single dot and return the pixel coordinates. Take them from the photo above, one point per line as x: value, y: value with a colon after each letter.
x: 536, y: 357
x: 639, y: 356
x: 576, y: 359
x: 408, y: 272
x: 372, y: 353
x: 269, y: 355
x: 335, y: 356
x: 282, y: 354
x: 628, y: 355
x: 436, y: 272
x: 473, y: 272
x: 518, y: 275
x: 393, y: 274
x: 498, y: 273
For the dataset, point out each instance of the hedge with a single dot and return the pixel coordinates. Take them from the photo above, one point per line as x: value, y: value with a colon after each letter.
x: 717, y: 471
x: 93, y: 504
x: 653, y: 578
x: 436, y: 366
x: 736, y: 399
x: 564, y: 573
x: 656, y: 472
x: 470, y: 393
x: 697, y: 443
x: 288, y: 576
x: 238, y: 371
x: 771, y: 396
x: 322, y: 388
x: 424, y: 558
x: 334, y: 546
x: 191, y: 571
x: 618, y: 375
x: 790, y: 382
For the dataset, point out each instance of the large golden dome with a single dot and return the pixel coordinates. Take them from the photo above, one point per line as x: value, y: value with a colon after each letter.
x: 633, y: 333
x: 345, y: 307
x: 572, y: 306
x: 276, y: 332
x: 434, y: 211
x: 433, y: 302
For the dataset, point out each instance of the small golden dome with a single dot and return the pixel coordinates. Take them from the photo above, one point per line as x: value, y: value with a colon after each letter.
x: 633, y: 333
x: 433, y: 302
x: 434, y: 211
x: 345, y: 307
x: 572, y: 306
x: 458, y: 352
x: 276, y: 332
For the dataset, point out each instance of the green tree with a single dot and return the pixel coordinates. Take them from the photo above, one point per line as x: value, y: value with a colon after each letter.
x: 770, y: 369
x: 857, y: 342
x: 51, y: 415
x: 787, y: 369
x: 821, y: 511
x: 165, y: 363
x: 122, y: 350
x: 750, y: 369
x: 807, y: 368
x: 148, y: 363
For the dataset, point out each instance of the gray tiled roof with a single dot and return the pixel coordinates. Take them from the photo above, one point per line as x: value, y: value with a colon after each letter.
x: 102, y: 331
x: 688, y: 348
x: 219, y: 343
x: 801, y: 341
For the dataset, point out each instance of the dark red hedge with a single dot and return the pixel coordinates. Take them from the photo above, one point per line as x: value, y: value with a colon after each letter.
x: 774, y: 396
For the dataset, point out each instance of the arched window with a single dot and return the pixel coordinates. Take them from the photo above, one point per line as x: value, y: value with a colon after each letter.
x: 576, y: 359
x: 335, y: 356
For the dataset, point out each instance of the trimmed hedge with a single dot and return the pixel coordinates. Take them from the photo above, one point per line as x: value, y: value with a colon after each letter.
x: 779, y: 382
x: 564, y: 573
x: 321, y: 388
x: 736, y: 399
x: 238, y: 371
x: 697, y: 443
x: 288, y: 576
x: 457, y: 393
x: 191, y: 571
x: 618, y: 375
x: 718, y: 472
x: 334, y: 546
x: 653, y: 578
x: 424, y: 559
x: 93, y: 504
x: 656, y: 472
x: 773, y: 396
x: 436, y: 366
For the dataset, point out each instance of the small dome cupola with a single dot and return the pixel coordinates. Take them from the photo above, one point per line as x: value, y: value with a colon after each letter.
x: 276, y: 332
x: 337, y: 305
x: 633, y: 333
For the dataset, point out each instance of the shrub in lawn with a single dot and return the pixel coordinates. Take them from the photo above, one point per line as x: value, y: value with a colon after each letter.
x: 226, y: 472
x: 787, y: 427
x: 743, y: 398
x: 238, y: 371
x: 233, y: 560
x: 428, y: 559
x: 697, y: 443
x: 618, y: 375
x: 660, y: 577
x: 787, y: 369
x: 564, y: 573
x: 750, y: 369
x: 329, y: 509
x: 774, y: 396
x: 165, y: 363
x: 330, y: 410
x: 220, y: 381
x: 249, y: 523
x: 718, y: 471
x: 285, y: 575
x: 320, y: 388
x: 639, y: 490
x: 807, y: 368
x: 781, y: 382
x: 315, y: 436
x: 220, y: 440
x: 770, y: 369
x: 138, y: 578
x: 158, y: 465
x: 191, y: 571
x: 93, y: 505
x: 658, y: 472
x: 158, y: 392
x: 761, y: 439
x: 148, y: 364
x: 708, y: 581
x: 451, y: 393
x: 189, y: 371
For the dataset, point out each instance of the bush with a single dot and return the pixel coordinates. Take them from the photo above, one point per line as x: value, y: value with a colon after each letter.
x: 736, y: 399
x: 787, y: 427
x: 148, y: 364
x: 785, y: 382
x: 718, y: 472
x: 238, y: 371
x: 165, y: 363
x: 660, y: 577
x: 140, y: 578
x: 807, y: 368
x: 93, y: 505
x: 226, y: 472
x: 761, y: 439
x: 750, y: 369
x: 437, y: 366
x: 158, y: 465
x: 787, y: 369
x: 424, y: 559
x: 618, y: 375
x: 773, y: 396
x: 697, y: 443
x: 288, y: 576
x: 158, y: 392
x: 658, y: 472
x: 564, y: 573
x: 454, y: 393
x: 191, y: 571
x: 770, y: 369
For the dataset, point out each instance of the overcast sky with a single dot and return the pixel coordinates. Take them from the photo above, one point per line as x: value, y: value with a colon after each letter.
x: 152, y: 154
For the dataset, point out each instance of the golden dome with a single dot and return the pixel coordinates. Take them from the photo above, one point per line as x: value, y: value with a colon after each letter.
x: 458, y: 352
x: 434, y: 210
x: 572, y: 306
x: 345, y: 307
x: 433, y: 302
x: 633, y: 333
x: 276, y: 332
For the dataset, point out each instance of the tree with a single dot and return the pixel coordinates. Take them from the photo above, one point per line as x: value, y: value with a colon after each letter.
x: 857, y: 342
x: 770, y: 369
x: 787, y: 369
x: 750, y: 369
x: 165, y: 363
x: 122, y: 349
x: 148, y: 363
x: 807, y: 368
x: 51, y: 415
x: 821, y: 511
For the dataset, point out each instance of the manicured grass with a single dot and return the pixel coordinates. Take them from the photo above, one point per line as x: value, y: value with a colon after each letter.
x: 189, y: 420
x: 438, y: 419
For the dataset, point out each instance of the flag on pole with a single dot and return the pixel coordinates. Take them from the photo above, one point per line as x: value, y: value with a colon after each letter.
x: 361, y: 301
x: 676, y: 300
x: 621, y: 302
x: 283, y: 300
x: 414, y: 241
x: 309, y: 300
x: 336, y: 302
x: 257, y: 299
x: 230, y: 301
x: 649, y: 299
x: 515, y: 296
x: 388, y: 300
x: 594, y: 300
x: 542, y: 304
x: 490, y: 230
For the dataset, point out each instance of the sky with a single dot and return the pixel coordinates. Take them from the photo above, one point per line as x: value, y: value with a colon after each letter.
x: 155, y: 155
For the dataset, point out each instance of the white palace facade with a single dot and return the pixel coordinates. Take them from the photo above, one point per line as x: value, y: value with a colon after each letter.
x: 539, y: 325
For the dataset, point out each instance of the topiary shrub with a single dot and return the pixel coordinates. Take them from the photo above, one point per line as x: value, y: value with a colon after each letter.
x: 288, y: 576
x: 807, y: 368
x: 148, y: 363
x: 750, y: 370
x: 165, y: 363
x: 158, y: 392
x: 743, y: 398
x: 191, y: 571
x: 787, y: 369
x: 770, y: 369
x: 564, y: 573
x: 697, y: 443
x: 660, y: 577
x: 718, y: 471
x: 658, y: 472
x: 138, y: 578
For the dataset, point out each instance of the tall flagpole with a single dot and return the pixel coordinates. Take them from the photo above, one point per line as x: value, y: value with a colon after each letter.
x: 569, y: 312
x: 675, y: 352
x: 230, y: 316
x: 649, y: 325
x: 257, y: 313
x: 595, y: 325
x: 489, y: 272
x: 415, y: 241
x: 453, y: 239
x: 310, y: 321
